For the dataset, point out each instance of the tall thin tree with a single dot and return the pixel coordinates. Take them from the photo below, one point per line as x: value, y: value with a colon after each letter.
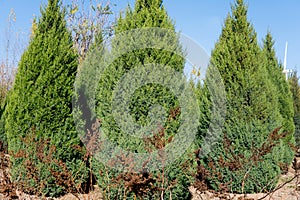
x: 39, y: 123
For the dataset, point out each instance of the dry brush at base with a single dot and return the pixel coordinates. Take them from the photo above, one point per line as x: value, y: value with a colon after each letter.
x: 142, y: 184
x: 240, y: 164
x: 286, y: 189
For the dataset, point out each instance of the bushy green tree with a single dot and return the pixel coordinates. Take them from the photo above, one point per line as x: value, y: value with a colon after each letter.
x: 252, y: 111
x: 174, y: 178
x: 39, y: 123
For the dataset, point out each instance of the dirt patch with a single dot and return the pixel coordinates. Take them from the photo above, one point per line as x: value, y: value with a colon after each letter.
x: 7, y: 189
x: 94, y: 195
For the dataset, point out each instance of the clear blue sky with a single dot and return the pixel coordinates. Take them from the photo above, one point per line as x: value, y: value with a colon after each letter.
x: 202, y: 20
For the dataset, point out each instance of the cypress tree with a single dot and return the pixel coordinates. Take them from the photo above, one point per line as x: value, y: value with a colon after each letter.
x: 295, y: 90
x: 252, y: 110
x: 146, y: 14
x: 285, y: 102
x: 39, y: 123
x: 284, y: 96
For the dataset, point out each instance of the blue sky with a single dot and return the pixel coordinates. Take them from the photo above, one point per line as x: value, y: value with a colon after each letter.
x: 202, y: 20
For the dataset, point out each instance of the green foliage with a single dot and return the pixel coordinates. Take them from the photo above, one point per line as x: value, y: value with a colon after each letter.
x: 39, y: 123
x: 172, y: 180
x: 252, y: 110
x: 285, y: 102
x: 3, y: 137
x: 284, y: 96
x: 128, y: 185
x: 6, y: 82
x: 295, y: 90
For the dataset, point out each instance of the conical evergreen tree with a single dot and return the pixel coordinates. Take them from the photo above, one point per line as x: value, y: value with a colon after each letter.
x: 146, y: 14
x: 252, y: 109
x: 295, y: 90
x: 284, y: 96
x: 278, y: 80
x: 39, y: 122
